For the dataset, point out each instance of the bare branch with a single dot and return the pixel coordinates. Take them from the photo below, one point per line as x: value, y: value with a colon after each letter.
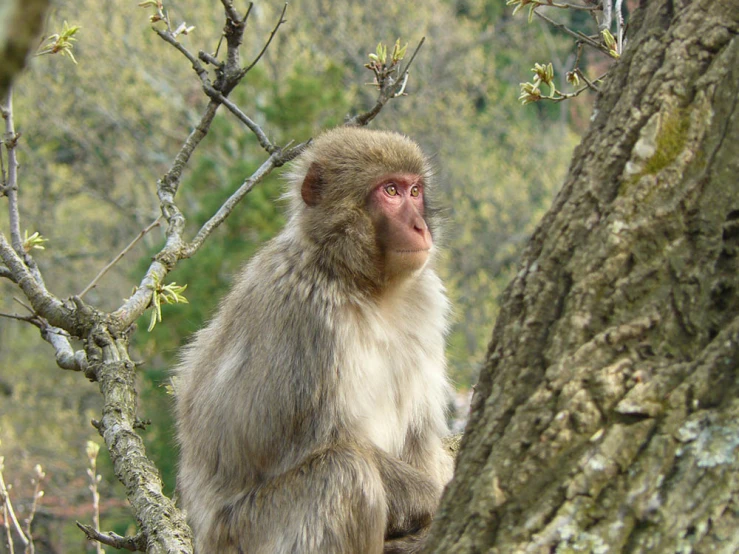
x: 413, y: 56
x: 220, y: 90
x: 136, y: 543
x: 248, y: 11
x: 576, y: 34
x: 568, y: 6
x: 168, y: 185
x: 210, y: 59
x: 44, y: 303
x: 167, y: 188
x: 161, y: 522
x: 168, y: 37
x: 278, y: 158
x: 590, y: 83
x: 266, y: 45
x: 120, y: 255
x: 66, y: 356
x: 264, y: 142
x: 606, y: 21
x: 11, y: 188
x: 7, y: 504
x: 26, y: 318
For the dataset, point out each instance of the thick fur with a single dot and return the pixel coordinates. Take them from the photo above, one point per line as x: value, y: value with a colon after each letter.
x: 311, y: 409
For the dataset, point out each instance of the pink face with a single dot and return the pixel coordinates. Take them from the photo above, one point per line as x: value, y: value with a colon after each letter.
x: 396, y: 206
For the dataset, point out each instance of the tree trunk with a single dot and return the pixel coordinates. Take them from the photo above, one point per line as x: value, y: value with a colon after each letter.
x: 606, y: 418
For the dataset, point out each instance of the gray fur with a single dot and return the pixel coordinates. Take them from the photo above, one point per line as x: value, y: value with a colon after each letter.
x: 310, y: 410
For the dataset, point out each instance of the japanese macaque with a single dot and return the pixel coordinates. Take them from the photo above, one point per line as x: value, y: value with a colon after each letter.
x: 311, y: 409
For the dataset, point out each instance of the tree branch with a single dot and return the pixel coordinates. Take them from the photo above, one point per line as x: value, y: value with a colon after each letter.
x: 576, y: 34
x: 217, y: 96
x: 168, y: 36
x: 44, y: 303
x: 66, y: 357
x: 161, y: 522
x: 278, y: 158
x: 11, y: 187
x: 136, y: 543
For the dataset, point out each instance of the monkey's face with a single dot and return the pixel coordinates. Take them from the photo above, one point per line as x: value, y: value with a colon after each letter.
x: 396, y: 207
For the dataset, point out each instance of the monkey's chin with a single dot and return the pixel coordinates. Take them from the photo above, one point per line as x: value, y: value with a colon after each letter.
x: 404, y: 263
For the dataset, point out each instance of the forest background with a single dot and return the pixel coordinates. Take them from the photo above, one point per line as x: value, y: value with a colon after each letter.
x: 97, y: 135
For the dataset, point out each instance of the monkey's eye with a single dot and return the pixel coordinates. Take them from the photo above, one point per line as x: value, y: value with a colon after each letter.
x: 391, y: 189
x: 415, y: 191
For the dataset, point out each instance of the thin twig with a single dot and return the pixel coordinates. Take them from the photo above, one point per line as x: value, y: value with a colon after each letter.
x: 66, y: 356
x: 120, y: 255
x: 5, y: 499
x: 136, y: 543
x: 212, y: 91
x: 246, y: 15
x: 92, y: 451
x: 23, y: 304
x: 277, y: 158
x: 11, y: 190
x: 591, y: 84
x: 210, y: 59
x: 266, y: 45
x: 264, y: 142
x: 43, y: 302
x: 413, y: 56
x: 575, y: 34
x: 37, y: 493
x: 168, y: 37
x: 169, y: 184
x: 26, y: 318
x: 6, y: 524
x: 567, y: 6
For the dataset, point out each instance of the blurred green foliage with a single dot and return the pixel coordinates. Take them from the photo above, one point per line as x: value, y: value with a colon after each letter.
x: 96, y: 137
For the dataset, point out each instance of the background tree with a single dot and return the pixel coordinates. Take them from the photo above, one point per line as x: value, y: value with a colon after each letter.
x: 605, y: 418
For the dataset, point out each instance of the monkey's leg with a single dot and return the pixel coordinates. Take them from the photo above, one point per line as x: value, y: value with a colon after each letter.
x: 333, y: 503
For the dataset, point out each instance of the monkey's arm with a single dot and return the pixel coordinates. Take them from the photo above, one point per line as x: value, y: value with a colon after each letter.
x: 411, y: 496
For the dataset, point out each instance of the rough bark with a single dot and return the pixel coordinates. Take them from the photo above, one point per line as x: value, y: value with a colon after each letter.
x: 606, y: 418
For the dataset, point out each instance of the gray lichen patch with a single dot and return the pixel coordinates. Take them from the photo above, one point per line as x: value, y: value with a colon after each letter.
x: 711, y: 437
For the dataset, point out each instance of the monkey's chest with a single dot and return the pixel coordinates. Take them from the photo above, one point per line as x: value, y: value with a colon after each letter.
x: 388, y: 383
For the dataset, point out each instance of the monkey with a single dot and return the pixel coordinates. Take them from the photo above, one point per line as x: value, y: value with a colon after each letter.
x: 311, y: 409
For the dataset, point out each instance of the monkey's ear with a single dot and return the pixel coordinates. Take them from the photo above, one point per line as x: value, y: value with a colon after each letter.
x: 312, y: 185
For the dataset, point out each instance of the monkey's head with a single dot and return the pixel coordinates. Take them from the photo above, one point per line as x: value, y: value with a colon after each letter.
x: 362, y: 197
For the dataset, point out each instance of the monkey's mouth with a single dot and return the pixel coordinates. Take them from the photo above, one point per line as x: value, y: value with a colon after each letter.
x: 412, y: 251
